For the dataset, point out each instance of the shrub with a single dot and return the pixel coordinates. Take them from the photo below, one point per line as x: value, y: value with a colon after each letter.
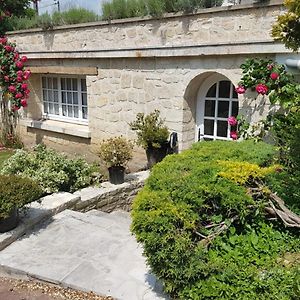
x: 115, y: 151
x: 186, y: 197
x: 150, y: 130
x: 15, y: 192
x: 53, y: 171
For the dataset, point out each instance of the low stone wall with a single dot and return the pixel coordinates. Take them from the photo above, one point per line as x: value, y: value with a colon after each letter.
x: 110, y: 197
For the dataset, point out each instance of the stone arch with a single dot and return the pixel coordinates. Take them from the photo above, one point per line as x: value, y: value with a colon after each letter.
x: 196, y: 84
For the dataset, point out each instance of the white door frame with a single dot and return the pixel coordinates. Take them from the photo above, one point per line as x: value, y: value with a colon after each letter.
x: 200, y: 105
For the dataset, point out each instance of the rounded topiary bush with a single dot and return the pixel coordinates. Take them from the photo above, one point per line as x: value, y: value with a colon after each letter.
x: 204, y: 235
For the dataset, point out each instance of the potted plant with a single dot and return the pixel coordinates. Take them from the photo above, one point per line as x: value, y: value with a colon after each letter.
x: 116, y: 152
x: 152, y: 135
x: 15, y: 193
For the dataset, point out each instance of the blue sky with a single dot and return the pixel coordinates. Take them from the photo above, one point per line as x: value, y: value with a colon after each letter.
x: 46, y: 5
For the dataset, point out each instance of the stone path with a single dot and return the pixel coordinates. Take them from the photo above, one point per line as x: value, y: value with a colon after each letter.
x: 91, y: 252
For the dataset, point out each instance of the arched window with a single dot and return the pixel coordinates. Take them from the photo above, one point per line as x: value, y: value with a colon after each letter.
x: 219, y: 102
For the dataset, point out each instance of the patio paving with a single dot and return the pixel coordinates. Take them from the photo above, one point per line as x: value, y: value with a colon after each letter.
x: 90, y: 251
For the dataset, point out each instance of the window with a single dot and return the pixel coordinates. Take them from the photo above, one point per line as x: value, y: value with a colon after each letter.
x: 219, y: 103
x: 65, y: 97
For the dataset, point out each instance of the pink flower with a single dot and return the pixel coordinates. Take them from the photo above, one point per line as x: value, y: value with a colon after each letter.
x: 18, y: 95
x: 233, y: 135
x: 3, y: 40
x: 6, y: 78
x: 274, y: 75
x: 26, y: 92
x: 24, y: 86
x: 261, y: 89
x: 15, y: 107
x: 19, y: 65
x: 8, y: 48
x: 20, y: 73
x: 27, y: 74
x: 16, y: 56
x: 24, y: 102
x: 12, y: 89
x: 270, y: 67
x: 240, y: 89
x: 19, y: 79
x: 232, y: 121
x: 24, y: 59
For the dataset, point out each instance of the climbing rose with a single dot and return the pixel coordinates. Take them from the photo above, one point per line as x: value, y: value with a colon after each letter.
x: 232, y: 121
x: 12, y: 89
x: 3, y: 40
x: 19, y: 64
x: 15, y: 108
x: 26, y: 75
x: 24, y: 86
x: 261, y: 89
x: 274, y: 75
x: 234, y: 135
x: 8, y: 48
x: 240, y: 89
x: 18, y: 95
x: 24, y: 59
x: 19, y: 79
x: 24, y: 102
x: 6, y: 78
x: 20, y: 73
x: 270, y: 67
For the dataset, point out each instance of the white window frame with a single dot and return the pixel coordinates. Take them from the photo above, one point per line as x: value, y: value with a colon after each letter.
x: 60, y: 117
x: 200, y: 109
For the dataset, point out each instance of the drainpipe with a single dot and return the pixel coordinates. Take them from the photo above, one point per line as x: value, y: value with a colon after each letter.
x: 293, y: 63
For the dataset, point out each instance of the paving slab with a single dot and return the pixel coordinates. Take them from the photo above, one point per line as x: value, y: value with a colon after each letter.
x: 86, y: 252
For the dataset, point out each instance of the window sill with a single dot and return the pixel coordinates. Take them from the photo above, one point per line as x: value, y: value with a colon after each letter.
x: 59, y: 127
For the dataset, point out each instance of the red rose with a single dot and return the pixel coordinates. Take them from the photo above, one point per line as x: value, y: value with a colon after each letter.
x: 19, y: 65
x: 16, y: 56
x: 24, y: 59
x: 234, y: 135
x: 24, y: 102
x: 261, y: 89
x: 18, y: 95
x: 20, y: 73
x: 3, y: 40
x: 12, y: 89
x: 8, y: 48
x: 26, y: 75
x: 270, y: 67
x: 26, y: 92
x: 19, y: 79
x: 240, y: 89
x: 15, y: 108
x: 24, y: 86
x: 274, y: 75
x: 6, y: 78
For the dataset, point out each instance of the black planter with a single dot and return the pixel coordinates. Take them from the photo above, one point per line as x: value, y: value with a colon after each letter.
x: 155, y: 155
x: 10, y: 222
x: 116, y: 174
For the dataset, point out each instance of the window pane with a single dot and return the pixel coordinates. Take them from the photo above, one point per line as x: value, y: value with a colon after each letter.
x: 45, y: 107
x: 222, y: 128
x: 50, y: 96
x: 49, y: 83
x: 210, y: 108
x: 234, y: 93
x: 70, y: 111
x: 63, y: 83
x: 74, y: 84
x: 75, y: 98
x: 64, y: 110
x: 223, y: 109
x: 84, y: 112
x: 69, y: 84
x: 64, y: 97
x: 45, y: 98
x: 55, y: 83
x: 224, y: 89
x: 44, y: 82
x: 56, y: 109
x: 212, y: 91
x: 83, y: 85
x: 208, y: 127
x: 76, y: 112
x: 55, y: 96
x: 51, y: 108
x: 84, y: 99
x: 235, y: 108
x: 69, y: 98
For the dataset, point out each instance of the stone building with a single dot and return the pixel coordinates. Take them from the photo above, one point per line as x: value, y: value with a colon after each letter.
x: 90, y: 80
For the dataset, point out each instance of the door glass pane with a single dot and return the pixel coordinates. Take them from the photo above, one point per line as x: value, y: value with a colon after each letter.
x: 44, y: 82
x: 212, y: 91
x: 45, y: 98
x: 56, y: 109
x: 76, y: 112
x: 84, y: 112
x: 63, y: 83
x: 83, y: 85
x: 69, y: 98
x: 46, y: 107
x: 51, y: 108
x: 55, y: 96
x: 209, y: 108
x: 70, y: 111
x: 75, y: 98
x: 64, y: 97
x: 74, y: 84
x: 50, y: 96
x: 49, y: 83
x: 84, y: 99
x: 69, y: 84
x: 64, y: 110
x: 223, y: 109
x: 208, y: 127
x: 235, y: 108
x: 222, y: 128
x: 224, y: 89
x: 55, y: 83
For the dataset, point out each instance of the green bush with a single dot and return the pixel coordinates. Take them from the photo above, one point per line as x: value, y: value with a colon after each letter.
x: 187, y: 193
x: 53, y: 171
x: 15, y: 192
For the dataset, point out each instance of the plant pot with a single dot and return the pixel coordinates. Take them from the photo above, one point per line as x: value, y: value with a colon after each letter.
x: 116, y: 174
x: 10, y: 222
x: 155, y: 155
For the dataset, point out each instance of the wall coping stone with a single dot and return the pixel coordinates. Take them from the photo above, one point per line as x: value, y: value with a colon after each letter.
x: 167, y: 16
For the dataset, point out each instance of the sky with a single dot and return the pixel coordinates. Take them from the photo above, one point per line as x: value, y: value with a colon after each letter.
x: 47, y: 5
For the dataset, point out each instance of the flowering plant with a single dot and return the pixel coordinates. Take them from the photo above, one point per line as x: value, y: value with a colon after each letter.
x: 116, y: 151
x: 268, y: 78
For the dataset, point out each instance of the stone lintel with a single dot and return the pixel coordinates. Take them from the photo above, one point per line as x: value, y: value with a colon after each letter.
x: 64, y: 70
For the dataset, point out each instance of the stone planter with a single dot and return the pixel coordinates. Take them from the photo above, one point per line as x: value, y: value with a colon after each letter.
x: 10, y: 222
x: 116, y: 174
x: 155, y: 155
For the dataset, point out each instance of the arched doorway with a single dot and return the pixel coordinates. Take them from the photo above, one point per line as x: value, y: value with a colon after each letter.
x: 216, y: 101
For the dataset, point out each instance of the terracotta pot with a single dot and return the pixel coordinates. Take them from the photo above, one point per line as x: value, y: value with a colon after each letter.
x: 116, y: 174
x: 10, y: 222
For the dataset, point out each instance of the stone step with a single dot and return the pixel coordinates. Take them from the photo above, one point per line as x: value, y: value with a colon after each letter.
x: 120, y: 217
